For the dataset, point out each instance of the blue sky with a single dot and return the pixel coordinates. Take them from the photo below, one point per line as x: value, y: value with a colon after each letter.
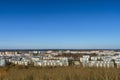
x: 59, y: 24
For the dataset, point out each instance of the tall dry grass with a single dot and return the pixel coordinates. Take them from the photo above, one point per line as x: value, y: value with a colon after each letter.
x: 58, y: 73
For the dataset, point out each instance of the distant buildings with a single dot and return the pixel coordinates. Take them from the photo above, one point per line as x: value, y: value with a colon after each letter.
x: 86, y: 58
x: 2, y: 61
x: 100, y: 61
x: 51, y: 61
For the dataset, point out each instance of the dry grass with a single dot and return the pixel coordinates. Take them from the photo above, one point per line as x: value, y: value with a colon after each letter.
x: 58, y: 73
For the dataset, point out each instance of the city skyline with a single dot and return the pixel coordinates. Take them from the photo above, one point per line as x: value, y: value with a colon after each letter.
x: 59, y: 24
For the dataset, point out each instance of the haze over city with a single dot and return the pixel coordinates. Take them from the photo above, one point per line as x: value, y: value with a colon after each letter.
x: 71, y: 24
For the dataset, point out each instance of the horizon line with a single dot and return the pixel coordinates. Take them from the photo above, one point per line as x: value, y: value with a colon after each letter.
x: 54, y: 49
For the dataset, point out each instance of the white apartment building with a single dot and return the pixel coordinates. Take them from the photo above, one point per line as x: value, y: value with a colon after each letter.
x: 50, y: 63
x: 54, y: 61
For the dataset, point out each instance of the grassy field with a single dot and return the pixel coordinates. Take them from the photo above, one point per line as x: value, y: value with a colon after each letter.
x: 58, y: 73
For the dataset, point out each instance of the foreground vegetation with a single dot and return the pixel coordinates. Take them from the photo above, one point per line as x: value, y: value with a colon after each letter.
x: 58, y: 73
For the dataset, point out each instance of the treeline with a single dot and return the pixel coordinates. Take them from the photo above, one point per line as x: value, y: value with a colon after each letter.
x: 58, y: 73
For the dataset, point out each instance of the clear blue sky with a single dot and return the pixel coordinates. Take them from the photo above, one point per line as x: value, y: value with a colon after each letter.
x: 59, y: 24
